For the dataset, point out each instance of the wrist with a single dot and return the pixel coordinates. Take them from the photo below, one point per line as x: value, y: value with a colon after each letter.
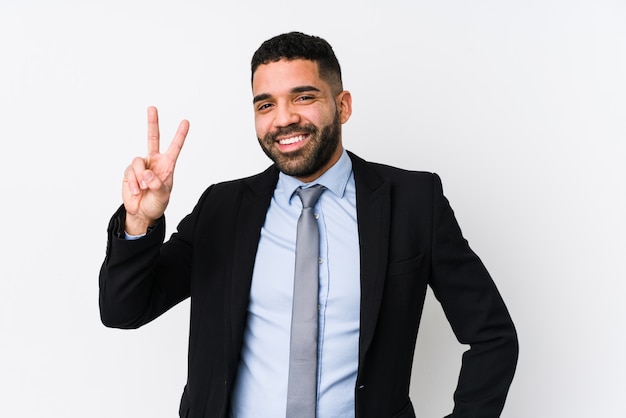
x: 137, y: 225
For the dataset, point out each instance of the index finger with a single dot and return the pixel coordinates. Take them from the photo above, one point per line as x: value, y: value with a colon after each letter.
x: 153, y: 130
x: 179, y: 139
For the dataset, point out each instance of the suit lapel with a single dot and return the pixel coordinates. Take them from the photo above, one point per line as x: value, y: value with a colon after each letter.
x: 373, y: 209
x: 256, y: 194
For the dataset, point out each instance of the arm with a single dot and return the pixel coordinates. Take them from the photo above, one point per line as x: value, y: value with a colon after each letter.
x: 141, y: 279
x: 136, y: 283
x: 477, y: 314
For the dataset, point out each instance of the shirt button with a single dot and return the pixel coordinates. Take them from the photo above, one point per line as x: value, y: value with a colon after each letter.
x: 317, y: 216
x: 320, y: 260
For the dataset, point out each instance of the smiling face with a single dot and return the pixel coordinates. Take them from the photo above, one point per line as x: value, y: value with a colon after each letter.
x: 298, y: 118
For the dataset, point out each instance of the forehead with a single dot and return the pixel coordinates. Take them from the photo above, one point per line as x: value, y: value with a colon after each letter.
x: 281, y: 76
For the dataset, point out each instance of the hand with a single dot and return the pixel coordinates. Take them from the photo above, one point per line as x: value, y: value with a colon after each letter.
x: 148, y: 181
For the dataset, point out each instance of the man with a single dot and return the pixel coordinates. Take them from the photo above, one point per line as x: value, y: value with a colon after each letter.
x: 385, y: 234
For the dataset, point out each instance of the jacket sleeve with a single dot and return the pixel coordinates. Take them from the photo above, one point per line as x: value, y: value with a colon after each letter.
x: 477, y: 315
x: 141, y: 279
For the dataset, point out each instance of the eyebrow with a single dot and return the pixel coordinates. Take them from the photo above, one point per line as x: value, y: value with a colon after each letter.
x: 299, y: 89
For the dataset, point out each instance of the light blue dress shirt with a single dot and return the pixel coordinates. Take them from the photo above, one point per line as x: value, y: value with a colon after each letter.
x: 260, y: 389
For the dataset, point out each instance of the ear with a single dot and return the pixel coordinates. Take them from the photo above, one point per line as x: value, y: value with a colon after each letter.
x: 344, y: 104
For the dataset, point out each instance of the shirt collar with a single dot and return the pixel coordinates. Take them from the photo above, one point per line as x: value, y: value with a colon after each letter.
x: 334, y: 179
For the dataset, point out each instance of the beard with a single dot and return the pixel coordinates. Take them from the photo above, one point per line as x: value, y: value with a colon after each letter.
x: 312, y: 157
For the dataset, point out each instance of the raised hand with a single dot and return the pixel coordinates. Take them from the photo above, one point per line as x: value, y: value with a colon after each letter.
x: 148, y: 181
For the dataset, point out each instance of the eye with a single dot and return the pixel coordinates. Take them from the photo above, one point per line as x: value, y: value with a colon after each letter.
x: 303, y: 98
x: 263, y: 106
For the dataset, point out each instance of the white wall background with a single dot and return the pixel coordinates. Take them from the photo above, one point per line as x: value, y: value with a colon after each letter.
x: 520, y: 106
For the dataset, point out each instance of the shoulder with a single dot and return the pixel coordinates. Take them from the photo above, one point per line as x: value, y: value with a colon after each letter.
x: 227, y: 197
x: 372, y: 172
x: 260, y: 183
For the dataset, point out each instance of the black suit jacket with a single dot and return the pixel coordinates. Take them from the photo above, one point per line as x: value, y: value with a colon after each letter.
x: 408, y: 238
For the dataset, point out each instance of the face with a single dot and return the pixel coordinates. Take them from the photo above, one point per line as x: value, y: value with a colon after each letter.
x: 298, y: 118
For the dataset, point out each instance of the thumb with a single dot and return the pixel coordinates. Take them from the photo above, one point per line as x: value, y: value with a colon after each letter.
x: 159, y: 191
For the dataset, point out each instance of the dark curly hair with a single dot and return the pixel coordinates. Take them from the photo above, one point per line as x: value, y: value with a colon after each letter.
x: 297, y: 45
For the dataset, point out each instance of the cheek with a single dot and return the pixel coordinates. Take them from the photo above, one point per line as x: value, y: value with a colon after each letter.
x: 261, y: 126
x: 312, y: 115
x: 325, y: 115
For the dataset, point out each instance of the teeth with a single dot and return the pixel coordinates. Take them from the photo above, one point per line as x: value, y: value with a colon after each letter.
x: 291, y: 140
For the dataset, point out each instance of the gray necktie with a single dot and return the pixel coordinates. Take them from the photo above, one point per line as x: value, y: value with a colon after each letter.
x: 302, y: 386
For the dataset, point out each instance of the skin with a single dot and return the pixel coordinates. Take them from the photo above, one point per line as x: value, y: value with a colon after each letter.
x: 291, y: 101
x: 148, y: 181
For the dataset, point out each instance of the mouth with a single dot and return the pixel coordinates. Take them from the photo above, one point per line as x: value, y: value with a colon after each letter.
x: 292, y: 139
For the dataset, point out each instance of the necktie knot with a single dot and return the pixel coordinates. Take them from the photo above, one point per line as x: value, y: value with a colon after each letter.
x: 310, y: 195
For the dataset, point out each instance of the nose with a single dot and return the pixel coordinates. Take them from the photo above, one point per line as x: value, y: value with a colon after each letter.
x: 286, y: 115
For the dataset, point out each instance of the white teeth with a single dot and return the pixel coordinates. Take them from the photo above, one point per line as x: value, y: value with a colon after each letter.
x: 291, y: 140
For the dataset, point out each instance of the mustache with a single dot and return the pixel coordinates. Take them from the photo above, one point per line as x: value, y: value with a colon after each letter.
x: 288, y: 130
